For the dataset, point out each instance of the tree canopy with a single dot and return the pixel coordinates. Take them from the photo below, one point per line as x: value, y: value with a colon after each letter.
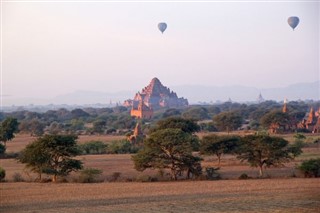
x: 266, y: 151
x: 218, y: 145
x: 52, y: 154
x: 186, y: 125
x: 168, y: 149
x: 227, y: 121
x: 7, y: 129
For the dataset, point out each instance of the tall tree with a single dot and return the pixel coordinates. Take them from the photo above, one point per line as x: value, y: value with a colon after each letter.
x: 227, y: 121
x: 265, y: 151
x: 52, y: 154
x: 274, y: 117
x: 167, y: 149
x: 218, y: 145
x: 186, y: 125
x: 7, y: 129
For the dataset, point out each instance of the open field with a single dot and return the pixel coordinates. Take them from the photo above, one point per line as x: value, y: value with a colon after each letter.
x: 21, y: 140
x: 280, y: 193
x: 267, y: 195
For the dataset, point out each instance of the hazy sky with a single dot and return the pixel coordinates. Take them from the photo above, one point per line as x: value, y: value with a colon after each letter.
x: 54, y: 48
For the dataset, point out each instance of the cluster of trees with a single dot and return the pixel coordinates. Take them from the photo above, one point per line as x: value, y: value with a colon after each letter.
x: 227, y: 116
x: 171, y: 143
x: 84, y: 121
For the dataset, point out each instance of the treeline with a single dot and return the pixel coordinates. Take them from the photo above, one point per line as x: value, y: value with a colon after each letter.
x: 227, y: 116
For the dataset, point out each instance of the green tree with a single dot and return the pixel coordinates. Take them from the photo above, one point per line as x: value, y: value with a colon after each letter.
x: 7, y: 129
x: 186, y: 125
x: 265, y: 151
x: 196, y: 113
x: 227, y: 121
x: 218, y: 145
x: 311, y: 168
x: 99, y: 126
x: 35, y: 157
x: 56, y: 152
x: 172, y: 112
x: 274, y: 117
x: 167, y: 149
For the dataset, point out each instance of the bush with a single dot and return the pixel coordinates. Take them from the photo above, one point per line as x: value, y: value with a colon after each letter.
x: 146, y: 178
x: 2, y: 174
x: 212, y: 174
x: 2, y: 149
x: 17, y: 177
x: 90, y: 175
x: 122, y: 147
x: 244, y: 176
x: 115, y: 176
x: 311, y: 168
x: 93, y: 147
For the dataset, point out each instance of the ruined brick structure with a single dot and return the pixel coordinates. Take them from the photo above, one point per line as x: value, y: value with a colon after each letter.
x: 311, y: 122
x: 152, y: 97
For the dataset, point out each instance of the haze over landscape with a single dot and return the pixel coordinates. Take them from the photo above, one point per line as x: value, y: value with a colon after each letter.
x: 53, y: 51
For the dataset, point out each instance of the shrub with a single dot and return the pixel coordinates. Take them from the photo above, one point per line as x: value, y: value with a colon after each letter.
x: 122, y: 147
x: 90, y: 175
x: 93, y: 147
x: 17, y: 177
x: 212, y: 174
x: 311, y: 168
x: 244, y: 176
x: 146, y: 178
x: 115, y: 176
x: 2, y: 149
x: 2, y: 174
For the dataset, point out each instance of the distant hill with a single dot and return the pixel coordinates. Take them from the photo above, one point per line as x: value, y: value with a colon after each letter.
x: 196, y: 93
x: 91, y: 97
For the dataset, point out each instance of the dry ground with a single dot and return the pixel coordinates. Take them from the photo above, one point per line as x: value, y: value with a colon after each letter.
x: 281, y: 193
x: 264, y: 195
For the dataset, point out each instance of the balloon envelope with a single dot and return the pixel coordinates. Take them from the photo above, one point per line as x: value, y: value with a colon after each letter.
x: 162, y: 26
x: 293, y: 21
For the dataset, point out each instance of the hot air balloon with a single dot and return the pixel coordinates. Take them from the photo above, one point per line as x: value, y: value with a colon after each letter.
x: 293, y: 21
x: 162, y: 26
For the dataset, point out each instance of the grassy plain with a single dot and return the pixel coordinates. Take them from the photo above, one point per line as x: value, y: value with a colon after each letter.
x: 259, y: 195
x: 279, y: 193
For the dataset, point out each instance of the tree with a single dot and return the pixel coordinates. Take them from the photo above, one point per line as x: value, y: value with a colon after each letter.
x: 52, y: 154
x: 172, y: 112
x: 274, y: 117
x: 311, y: 167
x: 35, y: 157
x: 98, y: 126
x: 167, y: 149
x: 218, y: 145
x: 265, y: 151
x: 7, y: 129
x: 227, y: 121
x: 196, y: 113
x: 186, y: 125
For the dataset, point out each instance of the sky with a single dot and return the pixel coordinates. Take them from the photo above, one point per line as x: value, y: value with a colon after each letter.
x: 53, y: 48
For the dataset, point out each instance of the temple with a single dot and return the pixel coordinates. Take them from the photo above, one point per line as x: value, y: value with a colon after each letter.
x: 311, y: 122
x: 153, y: 97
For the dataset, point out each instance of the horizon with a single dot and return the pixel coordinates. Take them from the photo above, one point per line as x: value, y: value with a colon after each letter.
x: 119, y: 97
x: 53, y: 49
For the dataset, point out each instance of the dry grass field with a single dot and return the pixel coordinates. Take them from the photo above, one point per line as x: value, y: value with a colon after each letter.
x: 279, y: 193
x: 264, y: 195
